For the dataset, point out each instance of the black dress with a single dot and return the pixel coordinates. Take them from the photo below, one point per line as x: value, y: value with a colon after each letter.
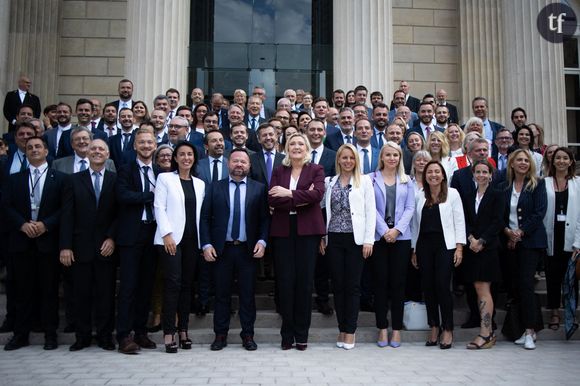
x: 486, y: 223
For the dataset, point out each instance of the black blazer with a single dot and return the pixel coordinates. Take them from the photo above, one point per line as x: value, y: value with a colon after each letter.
x: 453, y: 115
x: 531, y: 210
x: 488, y: 222
x: 85, y: 225
x: 12, y: 103
x: 121, y: 157
x: 215, y: 215
x: 327, y: 161
x: 258, y: 166
x: 131, y: 200
x: 334, y: 141
x: 16, y: 204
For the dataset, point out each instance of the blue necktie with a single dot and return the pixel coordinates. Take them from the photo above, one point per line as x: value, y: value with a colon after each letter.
x: 83, y: 166
x: 237, y: 212
x: 23, y: 163
x: 380, y: 141
x: 269, y: 166
x: 126, y: 137
x: 97, y: 186
x: 366, y: 162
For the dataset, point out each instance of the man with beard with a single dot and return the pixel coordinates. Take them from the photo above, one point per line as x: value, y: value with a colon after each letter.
x: 157, y: 119
x: 125, y: 91
x: 345, y: 134
x: 380, y: 120
x: 519, y: 117
x: 266, y: 158
x: 442, y: 116
x: 233, y: 237
x: 338, y: 99
x: 213, y: 168
x: 84, y: 112
x: 54, y: 135
x: 442, y: 101
x: 425, y: 125
x: 173, y: 101
x: 121, y: 144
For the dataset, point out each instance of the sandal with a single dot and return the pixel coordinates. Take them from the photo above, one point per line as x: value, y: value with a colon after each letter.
x: 185, y: 343
x: 554, y: 324
x: 488, y: 342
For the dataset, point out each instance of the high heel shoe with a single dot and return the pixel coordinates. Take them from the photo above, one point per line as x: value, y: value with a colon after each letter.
x: 488, y: 342
x: 433, y: 343
x: 446, y: 346
x: 185, y: 343
x: 350, y: 346
x: 385, y: 342
x: 171, y: 348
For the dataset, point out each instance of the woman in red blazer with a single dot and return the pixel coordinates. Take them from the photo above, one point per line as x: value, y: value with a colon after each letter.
x: 296, y: 189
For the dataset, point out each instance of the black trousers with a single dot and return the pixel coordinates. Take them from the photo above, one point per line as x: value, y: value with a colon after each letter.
x: 178, y: 271
x: 389, y: 265
x: 29, y: 267
x: 346, y: 265
x: 295, y: 259
x: 322, y: 278
x: 205, y: 281
x: 94, y: 277
x: 556, y: 267
x: 235, y: 259
x: 526, y: 264
x: 138, y: 264
x: 436, y: 265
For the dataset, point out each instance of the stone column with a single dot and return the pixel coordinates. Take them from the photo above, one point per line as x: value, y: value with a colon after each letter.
x: 157, y: 47
x: 4, y: 82
x: 32, y: 45
x: 363, y: 44
x: 481, y: 55
x: 533, y: 70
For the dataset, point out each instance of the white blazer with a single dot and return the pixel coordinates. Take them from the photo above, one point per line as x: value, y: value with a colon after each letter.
x: 170, y: 206
x: 452, y: 219
x: 362, y: 208
x: 450, y: 166
x: 571, y: 236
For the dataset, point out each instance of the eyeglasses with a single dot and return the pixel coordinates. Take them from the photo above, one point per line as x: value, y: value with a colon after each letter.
x: 175, y: 126
x: 164, y: 156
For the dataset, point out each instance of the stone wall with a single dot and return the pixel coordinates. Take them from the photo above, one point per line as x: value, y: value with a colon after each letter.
x: 426, y: 47
x: 92, y: 49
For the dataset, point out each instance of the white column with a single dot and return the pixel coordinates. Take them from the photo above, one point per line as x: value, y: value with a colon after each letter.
x: 481, y: 55
x: 32, y: 45
x: 157, y: 47
x: 363, y: 44
x: 4, y: 82
x: 533, y: 70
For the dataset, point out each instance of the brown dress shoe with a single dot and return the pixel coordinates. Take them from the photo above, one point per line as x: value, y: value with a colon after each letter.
x: 127, y: 346
x: 144, y: 342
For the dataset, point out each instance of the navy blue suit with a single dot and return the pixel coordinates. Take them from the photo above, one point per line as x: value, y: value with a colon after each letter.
x: 333, y: 142
x: 417, y: 129
x: 204, y: 172
x: 258, y: 166
x: 328, y: 161
x: 213, y: 230
x: 121, y: 156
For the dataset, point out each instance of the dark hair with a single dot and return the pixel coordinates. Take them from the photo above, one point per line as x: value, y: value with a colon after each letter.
x: 515, y: 135
x: 64, y: 104
x: 239, y: 150
x: 44, y: 144
x: 146, y: 117
x: 338, y: 91
x: 24, y: 106
x: 514, y: 111
x: 320, y: 99
x: 110, y: 104
x: 197, y: 106
x: 48, y: 109
x: 173, y: 90
x: 380, y: 105
x: 125, y: 109
x: 424, y: 103
x: 84, y: 101
x: 174, y: 165
x: 428, y: 95
x: 206, y: 136
x: 377, y: 93
x: 571, y: 169
x: 360, y: 88
x: 184, y: 107
x: 443, y: 193
x: 263, y: 126
x: 26, y: 124
x: 483, y: 162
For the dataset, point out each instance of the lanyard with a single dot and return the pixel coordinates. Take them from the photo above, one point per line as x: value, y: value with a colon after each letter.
x: 35, y: 182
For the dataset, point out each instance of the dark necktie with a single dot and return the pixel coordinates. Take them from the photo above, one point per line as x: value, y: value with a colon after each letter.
x: 126, y: 137
x: 269, y: 166
x: 348, y: 139
x: 380, y: 141
x: 313, y: 156
x: 253, y: 125
x: 366, y: 162
x: 97, y: 186
x: 23, y: 163
x: 93, y: 125
x: 428, y: 131
x: 147, y: 188
x: 83, y: 166
x: 215, y: 173
x: 237, y: 212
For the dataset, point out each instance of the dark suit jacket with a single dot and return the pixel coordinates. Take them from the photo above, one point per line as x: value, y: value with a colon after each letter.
x: 16, y: 204
x: 333, y: 142
x: 488, y: 222
x: 215, y: 215
x: 328, y: 161
x: 417, y: 129
x: 66, y: 165
x: 412, y: 103
x: 64, y: 146
x: 85, y: 225
x: 304, y: 201
x: 453, y: 115
x: 331, y: 129
x: 204, y: 173
x: 131, y: 199
x: 121, y: 157
x: 531, y: 210
x: 258, y: 166
x: 12, y: 103
x: 118, y: 102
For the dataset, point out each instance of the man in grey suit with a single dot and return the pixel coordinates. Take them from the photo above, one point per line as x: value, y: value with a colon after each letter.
x: 80, y: 139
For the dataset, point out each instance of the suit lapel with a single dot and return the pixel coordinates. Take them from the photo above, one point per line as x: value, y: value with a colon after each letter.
x: 48, y: 186
x: 88, y: 182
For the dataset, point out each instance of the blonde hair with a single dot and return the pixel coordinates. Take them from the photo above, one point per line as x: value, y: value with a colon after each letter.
x: 461, y: 132
x: 286, y: 161
x: 444, y: 151
x: 403, y: 178
x: 419, y: 154
x: 356, y: 171
x: 530, y: 175
x: 240, y: 91
x: 418, y: 135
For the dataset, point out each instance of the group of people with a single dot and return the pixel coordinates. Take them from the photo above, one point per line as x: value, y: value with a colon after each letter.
x: 371, y: 198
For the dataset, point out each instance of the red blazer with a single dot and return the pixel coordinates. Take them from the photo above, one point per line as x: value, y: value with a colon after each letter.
x: 305, y: 202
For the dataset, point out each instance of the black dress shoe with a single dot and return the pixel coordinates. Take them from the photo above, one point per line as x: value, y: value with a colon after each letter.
x: 69, y: 328
x: 286, y: 345
x: 248, y: 343
x: 154, y: 328
x: 144, y: 342
x: 471, y: 323
x: 79, y: 344
x: 16, y: 342
x: 219, y: 343
x: 301, y: 346
x: 7, y: 326
x: 50, y: 342
x: 203, y: 310
x: 106, y: 343
x: 325, y: 308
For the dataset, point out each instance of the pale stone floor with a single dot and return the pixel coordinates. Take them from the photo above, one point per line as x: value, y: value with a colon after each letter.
x: 552, y: 363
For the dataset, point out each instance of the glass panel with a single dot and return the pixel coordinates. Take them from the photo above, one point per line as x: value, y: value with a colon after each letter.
x: 572, y: 90
x: 571, y: 53
x: 573, y: 118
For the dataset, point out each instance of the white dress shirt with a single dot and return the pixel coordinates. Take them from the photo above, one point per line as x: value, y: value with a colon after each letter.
x: 78, y: 163
x: 151, y: 177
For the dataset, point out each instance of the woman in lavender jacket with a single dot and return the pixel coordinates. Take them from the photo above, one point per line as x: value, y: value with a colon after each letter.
x: 395, y: 205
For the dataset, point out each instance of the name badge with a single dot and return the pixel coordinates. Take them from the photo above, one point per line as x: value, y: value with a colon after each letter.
x: 561, y: 217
